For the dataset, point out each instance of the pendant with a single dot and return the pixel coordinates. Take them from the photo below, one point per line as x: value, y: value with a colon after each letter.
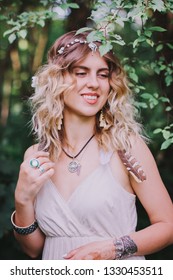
x: 74, y: 166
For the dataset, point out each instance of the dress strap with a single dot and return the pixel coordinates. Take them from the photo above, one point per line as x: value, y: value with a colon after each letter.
x: 132, y: 166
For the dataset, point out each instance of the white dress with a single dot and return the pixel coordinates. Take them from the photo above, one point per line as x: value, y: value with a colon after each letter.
x: 99, y: 209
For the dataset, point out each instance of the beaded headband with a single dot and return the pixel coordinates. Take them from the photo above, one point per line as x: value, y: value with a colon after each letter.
x: 91, y: 45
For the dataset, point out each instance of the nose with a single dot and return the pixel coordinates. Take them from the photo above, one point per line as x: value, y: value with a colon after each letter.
x: 92, y: 81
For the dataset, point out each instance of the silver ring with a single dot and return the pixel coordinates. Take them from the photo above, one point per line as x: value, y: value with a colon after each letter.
x: 34, y: 163
x: 41, y: 169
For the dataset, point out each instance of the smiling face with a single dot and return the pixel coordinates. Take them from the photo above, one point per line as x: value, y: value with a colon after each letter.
x: 92, y: 86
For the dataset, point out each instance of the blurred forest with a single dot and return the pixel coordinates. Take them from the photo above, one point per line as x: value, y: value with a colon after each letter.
x: 20, y: 58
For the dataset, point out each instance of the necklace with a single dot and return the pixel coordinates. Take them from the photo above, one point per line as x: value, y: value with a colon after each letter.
x: 74, y: 165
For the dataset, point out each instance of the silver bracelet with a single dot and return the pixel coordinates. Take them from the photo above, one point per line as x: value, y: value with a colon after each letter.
x: 23, y: 230
x: 124, y: 247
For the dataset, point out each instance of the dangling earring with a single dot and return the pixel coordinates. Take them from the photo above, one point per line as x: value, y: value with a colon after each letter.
x: 102, y: 121
x: 59, y: 122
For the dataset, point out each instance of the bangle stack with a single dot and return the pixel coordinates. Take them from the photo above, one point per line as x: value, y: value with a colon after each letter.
x: 23, y: 230
x: 124, y: 247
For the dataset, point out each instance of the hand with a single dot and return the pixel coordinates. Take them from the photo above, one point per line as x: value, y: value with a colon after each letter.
x: 99, y: 250
x: 32, y: 179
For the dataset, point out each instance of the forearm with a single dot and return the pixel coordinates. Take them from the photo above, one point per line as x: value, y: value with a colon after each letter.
x: 31, y: 244
x: 153, y: 238
x: 30, y: 181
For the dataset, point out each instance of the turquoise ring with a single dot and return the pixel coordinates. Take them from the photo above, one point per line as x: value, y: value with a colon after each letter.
x: 34, y: 163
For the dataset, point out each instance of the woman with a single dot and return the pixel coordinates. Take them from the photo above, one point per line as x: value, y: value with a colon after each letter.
x: 75, y: 195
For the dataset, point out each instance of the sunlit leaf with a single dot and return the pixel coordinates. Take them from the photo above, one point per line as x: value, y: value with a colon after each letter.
x: 166, y: 144
x: 157, y: 130
x: 22, y: 33
x: 105, y: 48
x: 166, y: 134
x: 12, y: 38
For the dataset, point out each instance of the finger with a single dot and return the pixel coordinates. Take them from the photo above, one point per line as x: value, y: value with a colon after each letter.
x: 45, y: 167
x: 45, y: 176
x: 37, y: 161
x: 39, y: 154
x: 70, y: 254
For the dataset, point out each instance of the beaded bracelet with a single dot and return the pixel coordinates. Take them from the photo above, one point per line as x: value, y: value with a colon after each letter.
x: 23, y: 230
x: 124, y: 247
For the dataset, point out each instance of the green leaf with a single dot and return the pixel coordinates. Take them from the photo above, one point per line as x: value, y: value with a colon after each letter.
x: 119, y: 42
x: 156, y: 95
x: 140, y: 39
x: 148, y: 33
x: 167, y: 127
x: 170, y: 46
x: 142, y: 105
x: 166, y: 134
x: 73, y: 5
x: 12, y: 38
x: 153, y: 103
x: 83, y: 29
x: 135, y: 43
x: 95, y: 36
x: 157, y: 5
x: 22, y: 33
x: 166, y: 144
x: 164, y: 99
x: 133, y: 76
x: 10, y: 31
x: 159, y: 48
x: 150, y: 42
x: 168, y: 109
x: 65, y: 6
x: 41, y: 23
x: 146, y: 96
x: 120, y: 21
x: 168, y: 80
x: 105, y: 48
x: 157, y: 130
x: 157, y: 28
x: 44, y: 2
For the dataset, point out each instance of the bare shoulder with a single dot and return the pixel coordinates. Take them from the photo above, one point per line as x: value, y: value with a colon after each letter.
x: 143, y: 155
x: 31, y: 150
x: 141, y: 151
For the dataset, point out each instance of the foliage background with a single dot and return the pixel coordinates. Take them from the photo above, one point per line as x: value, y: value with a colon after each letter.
x: 143, y: 38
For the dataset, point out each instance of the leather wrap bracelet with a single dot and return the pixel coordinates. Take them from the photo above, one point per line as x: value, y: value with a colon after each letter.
x: 23, y: 230
x: 124, y: 247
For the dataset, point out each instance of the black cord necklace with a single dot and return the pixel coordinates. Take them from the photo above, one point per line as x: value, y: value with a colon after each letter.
x: 74, y: 166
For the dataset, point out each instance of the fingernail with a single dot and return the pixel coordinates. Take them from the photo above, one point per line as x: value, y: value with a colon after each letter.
x: 64, y: 255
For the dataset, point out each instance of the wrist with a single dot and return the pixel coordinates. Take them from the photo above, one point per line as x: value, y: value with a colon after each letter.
x: 24, y: 214
x: 22, y: 199
x: 124, y: 247
x: 23, y: 230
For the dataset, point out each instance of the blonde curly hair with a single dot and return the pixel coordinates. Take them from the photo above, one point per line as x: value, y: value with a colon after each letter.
x: 47, y: 101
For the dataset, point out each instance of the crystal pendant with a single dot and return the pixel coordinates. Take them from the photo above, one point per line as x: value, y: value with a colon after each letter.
x: 74, y: 166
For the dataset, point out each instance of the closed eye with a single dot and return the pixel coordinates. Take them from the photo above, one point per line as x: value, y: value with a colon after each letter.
x: 103, y: 75
x: 80, y: 74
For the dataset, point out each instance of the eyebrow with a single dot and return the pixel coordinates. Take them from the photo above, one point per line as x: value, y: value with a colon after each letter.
x: 86, y: 68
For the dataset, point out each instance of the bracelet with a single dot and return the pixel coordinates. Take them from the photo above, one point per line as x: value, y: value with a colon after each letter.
x: 124, y: 247
x: 23, y: 230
